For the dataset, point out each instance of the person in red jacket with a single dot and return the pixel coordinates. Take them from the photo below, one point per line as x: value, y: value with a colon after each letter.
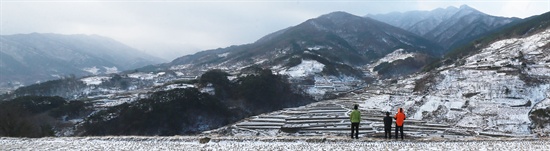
x: 399, y: 119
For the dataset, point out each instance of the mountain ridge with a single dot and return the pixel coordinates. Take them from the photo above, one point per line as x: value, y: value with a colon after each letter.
x: 449, y: 27
x: 27, y: 58
x: 340, y: 37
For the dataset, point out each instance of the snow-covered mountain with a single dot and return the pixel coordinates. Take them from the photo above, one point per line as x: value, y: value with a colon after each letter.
x: 339, y: 42
x: 449, y: 27
x: 501, y: 85
x: 28, y: 58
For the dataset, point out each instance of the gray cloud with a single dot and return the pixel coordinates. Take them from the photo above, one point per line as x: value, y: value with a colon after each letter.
x: 170, y: 29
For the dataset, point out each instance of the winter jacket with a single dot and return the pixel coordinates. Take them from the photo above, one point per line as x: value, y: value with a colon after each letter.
x: 355, y: 116
x: 399, y: 118
x: 387, y: 122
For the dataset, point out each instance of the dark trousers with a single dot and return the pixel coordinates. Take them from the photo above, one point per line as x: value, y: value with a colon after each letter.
x: 387, y: 133
x: 397, y: 129
x: 355, y: 126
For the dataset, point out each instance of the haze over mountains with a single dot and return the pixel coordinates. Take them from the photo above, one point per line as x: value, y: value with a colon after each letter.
x: 28, y: 58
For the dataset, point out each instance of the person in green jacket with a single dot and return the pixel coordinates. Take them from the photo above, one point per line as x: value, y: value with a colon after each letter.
x: 355, y: 118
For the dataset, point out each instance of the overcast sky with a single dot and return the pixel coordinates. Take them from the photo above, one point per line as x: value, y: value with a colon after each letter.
x: 172, y: 28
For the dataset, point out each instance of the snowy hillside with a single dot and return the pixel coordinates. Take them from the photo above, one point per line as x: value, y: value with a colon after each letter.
x: 306, y: 68
x: 398, y: 54
x: 493, y: 91
x: 323, y: 84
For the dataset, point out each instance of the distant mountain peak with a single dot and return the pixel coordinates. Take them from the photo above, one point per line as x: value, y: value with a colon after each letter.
x: 466, y: 7
x: 448, y: 27
x: 449, y: 8
x: 338, y: 14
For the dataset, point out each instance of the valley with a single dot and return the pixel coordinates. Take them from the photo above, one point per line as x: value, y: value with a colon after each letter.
x: 301, y: 81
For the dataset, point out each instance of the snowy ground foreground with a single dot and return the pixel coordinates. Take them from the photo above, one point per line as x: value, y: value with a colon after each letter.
x: 261, y: 143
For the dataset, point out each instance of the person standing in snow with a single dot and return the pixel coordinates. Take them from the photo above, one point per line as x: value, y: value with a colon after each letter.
x: 387, y: 125
x: 399, y: 119
x: 355, y: 118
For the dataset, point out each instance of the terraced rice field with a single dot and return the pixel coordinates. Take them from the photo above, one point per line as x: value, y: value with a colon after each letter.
x: 331, y: 118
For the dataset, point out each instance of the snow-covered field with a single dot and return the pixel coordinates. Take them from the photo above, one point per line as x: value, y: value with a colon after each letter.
x: 307, y: 67
x: 259, y: 143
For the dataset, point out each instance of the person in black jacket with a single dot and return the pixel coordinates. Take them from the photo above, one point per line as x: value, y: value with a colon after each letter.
x: 387, y: 125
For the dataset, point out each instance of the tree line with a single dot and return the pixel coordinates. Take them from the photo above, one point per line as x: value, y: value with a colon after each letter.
x: 172, y: 112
